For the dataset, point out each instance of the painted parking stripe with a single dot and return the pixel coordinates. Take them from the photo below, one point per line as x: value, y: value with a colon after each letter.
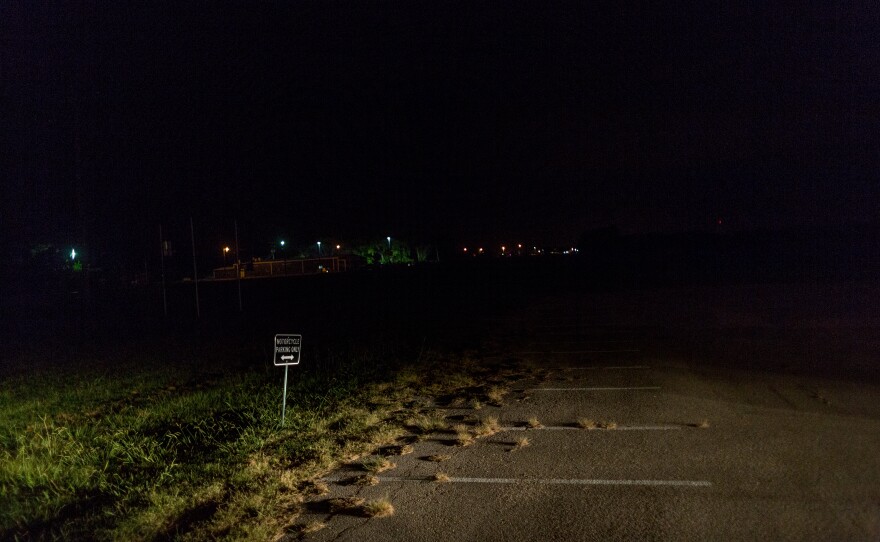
x: 612, y: 368
x: 618, y: 428
x: 598, y: 389
x: 551, y: 481
x: 621, y: 351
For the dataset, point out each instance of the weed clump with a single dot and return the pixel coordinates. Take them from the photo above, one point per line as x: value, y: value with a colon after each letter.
x: 375, y: 464
x: 533, y: 423
x: 586, y: 423
x: 521, y: 442
x: 438, y: 458
x: 463, y: 436
x: 366, y: 480
x: 488, y: 426
x: 495, y: 395
x: 427, y: 424
x: 440, y: 477
x: 310, y: 527
x: 377, y: 508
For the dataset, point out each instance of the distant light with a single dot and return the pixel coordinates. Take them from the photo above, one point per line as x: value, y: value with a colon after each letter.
x: 282, y: 243
x: 719, y: 221
x: 518, y: 245
x: 72, y: 254
x: 465, y: 249
x: 503, y: 248
x: 481, y: 250
x: 225, y: 249
x: 338, y: 247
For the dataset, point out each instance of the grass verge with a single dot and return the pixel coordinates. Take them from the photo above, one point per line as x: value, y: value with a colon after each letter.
x: 177, y: 450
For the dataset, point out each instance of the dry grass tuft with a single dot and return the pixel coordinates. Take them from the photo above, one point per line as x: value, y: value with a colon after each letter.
x: 462, y: 435
x: 488, y: 426
x: 428, y: 423
x: 402, y: 449
x: 342, y: 504
x: 311, y: 527
x: 475, y: 404
x: 375, y: 464
x: 607, y: 425
x: 533, y: 423
x: 521, y: 442
x: 704, y: 424
x: 440, y: 477
x: 437, y: 458
x: 316, y: 487
x: 496, y: 394
x: 377, y: 508
x: 586, y: 423
x: 366, y: 480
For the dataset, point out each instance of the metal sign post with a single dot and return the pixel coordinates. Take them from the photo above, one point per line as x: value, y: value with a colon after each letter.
x: 287, y: 350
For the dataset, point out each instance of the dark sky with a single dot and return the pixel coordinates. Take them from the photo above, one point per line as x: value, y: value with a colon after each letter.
x: 435, y: 120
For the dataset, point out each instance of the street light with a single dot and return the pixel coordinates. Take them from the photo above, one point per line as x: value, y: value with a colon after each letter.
x: 319, y: 248
x: 225, y: 252
x: 338, y: 247
x: 389, y: 241
x: 72, y: 254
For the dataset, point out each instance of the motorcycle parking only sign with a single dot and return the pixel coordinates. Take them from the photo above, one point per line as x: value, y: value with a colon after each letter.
x: 287, y: 349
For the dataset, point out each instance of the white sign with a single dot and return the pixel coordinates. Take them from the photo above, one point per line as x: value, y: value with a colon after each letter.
x: 287, y: 349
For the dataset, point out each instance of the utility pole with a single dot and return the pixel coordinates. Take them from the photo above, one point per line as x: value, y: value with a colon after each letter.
x: 162, y: 252
x: 237, y: 265
x: 195, y: 270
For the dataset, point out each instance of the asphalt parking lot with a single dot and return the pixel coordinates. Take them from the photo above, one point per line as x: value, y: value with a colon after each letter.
x: 683, y: 450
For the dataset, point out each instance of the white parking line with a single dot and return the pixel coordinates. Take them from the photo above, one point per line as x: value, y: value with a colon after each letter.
x: 598, y: 389
x: 577, y: 351
x: 551, y: 481
x: 618, y: 428
x: 617, y: 367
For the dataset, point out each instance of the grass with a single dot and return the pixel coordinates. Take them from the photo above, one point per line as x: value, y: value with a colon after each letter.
x: 311, y: 527
x: 495, y: 395
x: 403, y: 449
x: 438, y: 458
x: 375, y: 464
x: 533, y: 423
x: 377, y: 508
x: 463, y: 436
x: 607, y: 425
x: 428, y: 423
x: 160, y: 447
x: 487, y: 426
x: 704, y: 424
x: 366, y: 480
x: 440, y: 477
x: 586, y: 423
x: 521, y: 442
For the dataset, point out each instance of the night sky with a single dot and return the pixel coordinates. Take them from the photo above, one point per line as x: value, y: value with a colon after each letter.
x: 434, y: 121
